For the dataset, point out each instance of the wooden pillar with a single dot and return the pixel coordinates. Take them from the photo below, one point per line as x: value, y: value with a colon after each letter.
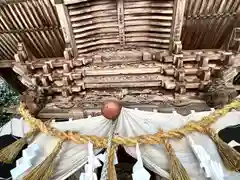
x: 177, y: 23
x: 64, y: 19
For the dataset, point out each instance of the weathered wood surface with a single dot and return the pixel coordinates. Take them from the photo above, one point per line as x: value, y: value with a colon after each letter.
x: 33, y: 22
x: 60, y: 110
x: 107, y: 24
x: 6, y: 63
x: 92, y: 26
x: 208, y: 23
x: 125, y: 69
x: 134, y: 56
x: 178, y: 18
x: 66, y: 27
x: 117, y: 49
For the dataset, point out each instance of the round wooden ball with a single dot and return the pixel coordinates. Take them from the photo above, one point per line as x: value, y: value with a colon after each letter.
x: 111, y: 109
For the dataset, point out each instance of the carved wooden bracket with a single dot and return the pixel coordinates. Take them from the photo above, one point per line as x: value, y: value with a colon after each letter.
x: 34, y: 100
x: 22, y: 57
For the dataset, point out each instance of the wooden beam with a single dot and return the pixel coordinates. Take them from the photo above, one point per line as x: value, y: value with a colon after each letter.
x: 64, y: 19
x: 125, y: 71
x: 73, y: 1
x: 121, y: 28
x: 178, y: 18
x: 77, y: 113
x: 6, y: 63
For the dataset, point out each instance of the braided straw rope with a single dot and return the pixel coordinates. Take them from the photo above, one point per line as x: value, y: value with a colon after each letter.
x: 157, y: 138
x: 111, y: 169
x: 108, y: 166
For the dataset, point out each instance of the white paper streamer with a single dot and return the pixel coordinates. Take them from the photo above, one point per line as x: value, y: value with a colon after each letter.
x: 211, y: 169
x: 89, y: 168
x: 139, y: 172
x: 25, y: 163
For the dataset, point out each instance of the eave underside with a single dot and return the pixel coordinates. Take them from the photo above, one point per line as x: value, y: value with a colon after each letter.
x: 134, y: 50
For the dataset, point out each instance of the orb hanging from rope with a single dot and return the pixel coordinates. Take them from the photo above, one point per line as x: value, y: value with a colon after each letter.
x: 111, y: 109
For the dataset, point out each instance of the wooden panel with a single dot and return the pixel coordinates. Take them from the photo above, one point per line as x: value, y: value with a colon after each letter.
x: 94, y: 25
x: 107, y: 24
x: 148, y: 23
x: 208, y: 23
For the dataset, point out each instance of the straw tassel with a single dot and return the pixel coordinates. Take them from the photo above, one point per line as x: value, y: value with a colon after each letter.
x: 111, y: 167
x: 230, y: 157
x: 46, y: 168
x: 177, y: 172
x: 9, y: 153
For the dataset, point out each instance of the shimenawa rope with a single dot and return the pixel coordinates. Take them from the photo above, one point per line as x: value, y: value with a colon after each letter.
x: 157, y: 138
x: 230, y: 157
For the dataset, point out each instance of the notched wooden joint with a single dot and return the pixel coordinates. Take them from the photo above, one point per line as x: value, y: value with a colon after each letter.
x: 46, y: 69
x: 45, y: 81
x: 98, y: 58
x: 66, y: 68
x: 66, y: 81
x: 18, y: 58
x: 198, y: 56
x: 68, y: 54
x: 169, y: 85
x: 179, y: 63
x: 181, y: 87
x: 227, y: 58
x: 176, y: 57
x: 205, y: 74
x: 177, y: 47
x: 180, y: 74
x: 204, y: 60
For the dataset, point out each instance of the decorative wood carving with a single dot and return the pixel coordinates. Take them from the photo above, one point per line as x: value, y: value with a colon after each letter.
x: 127, y: 49
x: 35, y: 100
x: 20, y: 67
